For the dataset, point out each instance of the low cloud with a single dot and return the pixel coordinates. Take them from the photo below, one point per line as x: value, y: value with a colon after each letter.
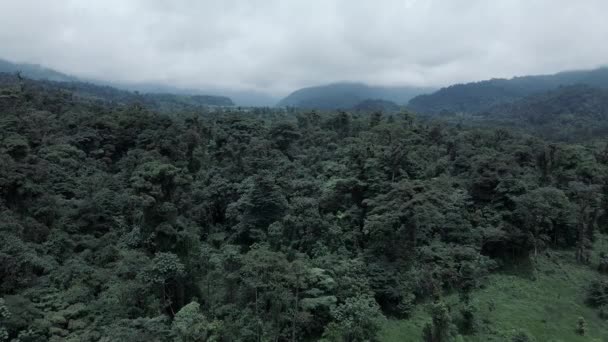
x: 276, y: 46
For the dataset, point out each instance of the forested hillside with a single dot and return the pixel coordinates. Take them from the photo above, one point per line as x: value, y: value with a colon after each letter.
x: 120, y: 223
x: 572, y: 113
x: 82, y: 91
x: 36, y: 72
x: 347, y: 95
x: 479, y: 96
x: 375, y: 105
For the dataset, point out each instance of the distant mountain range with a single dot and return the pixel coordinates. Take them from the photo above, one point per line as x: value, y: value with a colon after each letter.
x: 35, y: 72
x: 479, y: 96
x: 162, y: 102
x: 472, y: 98
x: 237, y: 97
x: 347, y: 95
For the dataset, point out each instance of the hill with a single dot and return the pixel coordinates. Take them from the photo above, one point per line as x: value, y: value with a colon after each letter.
x: 479, y: 96
x: 567, y: 113
x: 34, y: 71
x: 155, y: 101
x: 347, y: 95
x: 371, y: 105
x: 195, y: 97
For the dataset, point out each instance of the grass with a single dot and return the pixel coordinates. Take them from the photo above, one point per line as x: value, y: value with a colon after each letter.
x: 545, y: 301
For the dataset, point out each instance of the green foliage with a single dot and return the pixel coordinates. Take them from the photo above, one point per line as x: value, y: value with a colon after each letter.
x: 189, y: 324
x: 357, y: 319
x: 165, y: 267
x: 441, y: 328
x: 346, y: 96
x: 522, y: 336
x: 116, y: 221
x: 4, y: 315
x: 581, y: 326
x: 603, y: 312
x: 597, y: 293
x: 603, y: 264
x: 481, y: 96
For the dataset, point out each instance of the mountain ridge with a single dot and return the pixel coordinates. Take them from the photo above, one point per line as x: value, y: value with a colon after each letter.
x: 478, y: 96
x: 345, y: 95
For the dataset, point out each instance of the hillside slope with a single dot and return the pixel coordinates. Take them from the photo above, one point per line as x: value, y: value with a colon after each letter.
x: 173, y: 95
x: 35, y: 72
x: 347, y: 95
x: 576, y: 112
x: 545, y: 303
x: 479, y: 96
x: 162, y: 101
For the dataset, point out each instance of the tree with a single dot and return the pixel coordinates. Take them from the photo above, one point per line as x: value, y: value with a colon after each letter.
x: 588, y: 199
x: 522, y: 336
x: 440, y: 329
x: 546, y: 215
x: 262, y: 204
x: 597, y: 293
x: 4, y: 315
x: 581, y: 326
x: 166, y: 272
x: 357, y: 319
x: 189, y: 324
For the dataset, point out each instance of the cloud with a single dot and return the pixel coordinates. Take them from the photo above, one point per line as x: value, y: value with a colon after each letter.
x: 276, y: 46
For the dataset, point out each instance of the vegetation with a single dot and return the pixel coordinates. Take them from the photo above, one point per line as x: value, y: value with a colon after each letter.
x: 347, y: 96
x: 35, y: 72
x: 479, y: 96
x: 573, y: 113
x: 370, y: 106
x: 162, y: 102
x: 122, y: 223
x: 521, y: 302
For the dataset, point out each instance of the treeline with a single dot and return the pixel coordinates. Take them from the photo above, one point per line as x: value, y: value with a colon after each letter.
x: 121, y: 224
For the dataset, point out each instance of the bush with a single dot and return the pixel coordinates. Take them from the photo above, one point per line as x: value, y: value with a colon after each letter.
x: 603, y: 267
x: 469, y: 323
x: 603, y: 312
x: 581, y: 326
x: 521, y: 335
x: 597, y: 295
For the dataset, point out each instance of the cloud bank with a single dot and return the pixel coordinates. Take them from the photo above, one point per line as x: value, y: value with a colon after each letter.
x: 276, y: 46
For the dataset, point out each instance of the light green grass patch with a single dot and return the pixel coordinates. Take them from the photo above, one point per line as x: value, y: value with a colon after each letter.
x: 546, y: 302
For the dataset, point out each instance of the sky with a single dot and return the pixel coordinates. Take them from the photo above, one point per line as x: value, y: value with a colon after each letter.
x: 277, y: 46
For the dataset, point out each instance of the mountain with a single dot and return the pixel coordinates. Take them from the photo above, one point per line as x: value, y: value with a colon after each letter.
x: 347, y: 95
x: 197, y: 97
x: 163, y: 102
x: 245, y: 98
x: 479, y: 96
x: 567, y: 113
x: 375, y: 105
x: 34, y: 71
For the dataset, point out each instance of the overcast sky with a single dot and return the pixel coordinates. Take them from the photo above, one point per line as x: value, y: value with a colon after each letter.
x: 278, y: 45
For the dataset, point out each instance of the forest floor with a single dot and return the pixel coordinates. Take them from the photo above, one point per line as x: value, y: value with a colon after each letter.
x: 545, y: 301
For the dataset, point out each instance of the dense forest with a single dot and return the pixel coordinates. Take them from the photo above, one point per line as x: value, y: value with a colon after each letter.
x: 125, y: 221
x: 90, y: 92
x: 570, y: 113
x: 480, y: 96
x: 348, y: 96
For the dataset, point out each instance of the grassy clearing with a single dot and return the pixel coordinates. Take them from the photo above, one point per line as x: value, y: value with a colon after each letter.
x: 546, y: 302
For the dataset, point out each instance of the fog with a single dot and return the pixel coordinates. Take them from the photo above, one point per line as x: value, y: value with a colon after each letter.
x: 274, y: 47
